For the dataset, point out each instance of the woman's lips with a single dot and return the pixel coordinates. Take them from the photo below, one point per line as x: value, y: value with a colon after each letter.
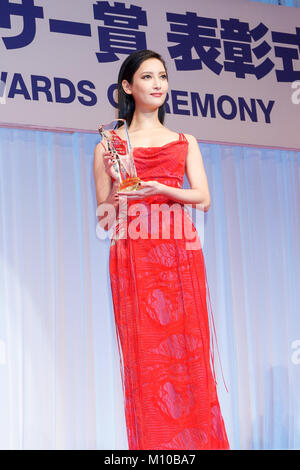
x: 156, y: 94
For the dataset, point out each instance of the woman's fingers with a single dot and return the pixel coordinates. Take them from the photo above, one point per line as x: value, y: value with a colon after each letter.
x: 109, y: 159
x: 109, y: 162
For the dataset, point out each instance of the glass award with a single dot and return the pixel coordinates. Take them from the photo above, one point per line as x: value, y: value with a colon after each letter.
x: 123, y: 153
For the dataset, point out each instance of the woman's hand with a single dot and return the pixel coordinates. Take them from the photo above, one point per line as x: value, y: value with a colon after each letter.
x: 109, y: 161
x: 148, y: 188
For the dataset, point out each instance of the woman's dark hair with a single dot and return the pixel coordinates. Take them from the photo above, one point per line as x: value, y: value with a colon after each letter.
x: 130, y: 65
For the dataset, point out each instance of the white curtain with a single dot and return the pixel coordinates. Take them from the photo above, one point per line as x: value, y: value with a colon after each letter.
x: 60, y: 384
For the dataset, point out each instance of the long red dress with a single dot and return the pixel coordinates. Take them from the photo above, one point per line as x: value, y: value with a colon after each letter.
x: 159, y: 289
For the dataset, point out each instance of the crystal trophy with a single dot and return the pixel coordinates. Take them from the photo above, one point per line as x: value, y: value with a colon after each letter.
x: 123, y: 153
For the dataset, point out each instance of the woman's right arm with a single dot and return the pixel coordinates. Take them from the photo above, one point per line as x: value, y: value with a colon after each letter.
x: 106, y: 187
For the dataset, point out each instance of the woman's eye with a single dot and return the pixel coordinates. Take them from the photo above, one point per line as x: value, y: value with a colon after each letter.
x: 164, y: 76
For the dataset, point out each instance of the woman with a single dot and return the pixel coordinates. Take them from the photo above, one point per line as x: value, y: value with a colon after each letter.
x: 159, y: 282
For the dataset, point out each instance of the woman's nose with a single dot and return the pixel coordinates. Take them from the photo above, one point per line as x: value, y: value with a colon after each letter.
x: 157, y: 83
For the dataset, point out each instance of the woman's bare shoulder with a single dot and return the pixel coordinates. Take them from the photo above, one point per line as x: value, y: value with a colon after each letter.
x: 190, y: 138
x: 99, y: 149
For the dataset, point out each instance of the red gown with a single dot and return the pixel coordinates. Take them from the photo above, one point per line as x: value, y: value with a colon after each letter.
x: 159, y: 289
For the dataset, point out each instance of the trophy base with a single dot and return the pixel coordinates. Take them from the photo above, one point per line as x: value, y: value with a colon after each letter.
x: 130, y: 184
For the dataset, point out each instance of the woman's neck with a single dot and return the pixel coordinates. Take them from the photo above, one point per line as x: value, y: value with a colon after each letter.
x: 145, y: 121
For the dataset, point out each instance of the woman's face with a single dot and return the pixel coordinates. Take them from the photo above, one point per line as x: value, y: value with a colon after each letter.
x: 149, y: 85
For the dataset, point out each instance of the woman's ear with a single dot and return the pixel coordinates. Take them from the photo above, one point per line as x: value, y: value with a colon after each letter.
x: 126, y: 87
